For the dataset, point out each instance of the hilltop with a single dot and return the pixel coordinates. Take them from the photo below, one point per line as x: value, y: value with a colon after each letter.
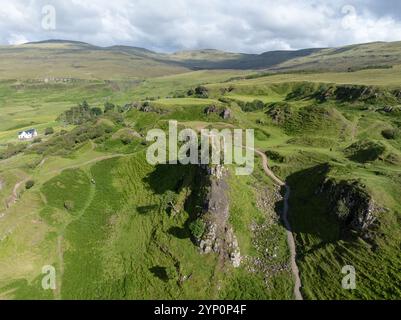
x: 74, y: 59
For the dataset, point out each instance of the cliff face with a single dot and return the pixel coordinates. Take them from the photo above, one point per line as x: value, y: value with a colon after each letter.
x: 353, y: 205
x: 219, y: 236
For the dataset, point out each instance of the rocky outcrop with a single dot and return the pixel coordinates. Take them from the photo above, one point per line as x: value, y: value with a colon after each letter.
x: 219, y: 236
x: 210, y: 109
x: 344, y: 93
x: 353, y: 206
x: 224, y: 113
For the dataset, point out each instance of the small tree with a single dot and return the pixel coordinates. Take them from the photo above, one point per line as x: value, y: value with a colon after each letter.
x: 197, y: 228
x: 126, y: 139
x: 84, y: 104
x: 49, y: 131
x: 201, y: 92
x: 96, y: 111
x: 171, y: 273
x: 108, y: 106
x: 29, y: 184
x: 389, y: 134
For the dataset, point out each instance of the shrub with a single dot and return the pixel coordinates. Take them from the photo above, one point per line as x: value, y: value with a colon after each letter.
x: 197, y: 228
x: 29, y: 184
x: 12, y: 150
x: 255, y: 105
x: 171, y: 273
x: 108, y: 106
x: 49, y: 131
x: 126, y: 139
x: 97, y: 111
x: 389, y: 134
x: 201, y: 92
x: 77, y: 115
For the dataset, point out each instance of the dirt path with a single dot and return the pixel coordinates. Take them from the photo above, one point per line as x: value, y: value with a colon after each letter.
x: 14, y: 195
x: 290, y: 236
x: 78, y: 165
x: 12, y: 199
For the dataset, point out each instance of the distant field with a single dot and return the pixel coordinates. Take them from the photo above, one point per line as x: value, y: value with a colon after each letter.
x: 377, y: 77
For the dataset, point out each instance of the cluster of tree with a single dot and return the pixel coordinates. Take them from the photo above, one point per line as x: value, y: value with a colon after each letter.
x: 84, y: 113
x: 199, y: 92
x: 79, y: 114
x: 255, y: 105
x: 12, y: 150
x: 63, y: 142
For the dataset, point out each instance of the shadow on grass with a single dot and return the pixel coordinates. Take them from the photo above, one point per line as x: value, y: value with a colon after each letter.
x: 167, y: 177
x: 147, y: 209
x: 180, y: 233
x: 309, y: 211
x: 159, y: 272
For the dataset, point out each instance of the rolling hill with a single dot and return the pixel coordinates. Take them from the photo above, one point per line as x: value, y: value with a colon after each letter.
x: 72, y: 59
x: 82, y: 198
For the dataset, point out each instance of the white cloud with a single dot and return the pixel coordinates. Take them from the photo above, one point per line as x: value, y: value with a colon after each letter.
x: 241, y: 25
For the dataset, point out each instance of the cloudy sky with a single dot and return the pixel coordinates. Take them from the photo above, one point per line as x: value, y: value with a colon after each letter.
x: 172, y: 25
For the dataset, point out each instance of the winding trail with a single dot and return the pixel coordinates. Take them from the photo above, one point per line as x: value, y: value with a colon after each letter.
x: 290, y: 236
x: 14, y: 195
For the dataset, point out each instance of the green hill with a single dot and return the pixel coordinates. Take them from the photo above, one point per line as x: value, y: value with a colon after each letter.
x: 63, y: 59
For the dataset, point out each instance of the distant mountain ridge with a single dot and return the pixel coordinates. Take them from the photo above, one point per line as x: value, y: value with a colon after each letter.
x: 67, y: 58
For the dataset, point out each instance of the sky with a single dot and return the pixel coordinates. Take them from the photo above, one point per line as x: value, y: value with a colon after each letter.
x: 251, y: 26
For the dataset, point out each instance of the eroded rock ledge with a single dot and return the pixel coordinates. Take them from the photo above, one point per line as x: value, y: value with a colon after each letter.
x: 219, y: 236
x: 353, y: 205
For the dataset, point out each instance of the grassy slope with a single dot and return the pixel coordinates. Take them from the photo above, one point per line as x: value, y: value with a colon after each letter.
x: 354, y: 56
x: 81, y: 61
x: 33, y: 226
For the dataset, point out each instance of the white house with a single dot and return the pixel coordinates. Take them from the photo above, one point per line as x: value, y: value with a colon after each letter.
x: 28, y: 134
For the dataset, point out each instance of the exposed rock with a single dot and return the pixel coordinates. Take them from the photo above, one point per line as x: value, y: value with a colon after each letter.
x: 210, y: 109
x: 226, y: 113
x: 146, y: 108
x: 219, y: 237
x: 352, y: 205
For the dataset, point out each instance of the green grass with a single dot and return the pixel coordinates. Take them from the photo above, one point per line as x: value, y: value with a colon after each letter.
x: 119, y: 239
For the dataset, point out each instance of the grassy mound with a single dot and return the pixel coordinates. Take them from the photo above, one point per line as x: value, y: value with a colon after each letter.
x: 365, y: 151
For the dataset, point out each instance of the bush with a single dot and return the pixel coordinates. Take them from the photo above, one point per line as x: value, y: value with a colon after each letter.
x: 97, y: 111
x: 12, y: 150
x: 255, y: 105
x: 126, y: 139
x: 77, y: 115
x: 389, y: 134
x: 108, y: 106
x: 197, y: 228
x: 49, y: 131
x: 201, y: 92
x: 171, y: 273
x: 29, y: 184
